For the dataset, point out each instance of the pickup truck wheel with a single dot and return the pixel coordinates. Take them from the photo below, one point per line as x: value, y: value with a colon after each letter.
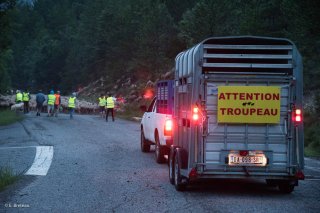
x: 145, y: 147
x: 177, y: 174
x: 159, y: 151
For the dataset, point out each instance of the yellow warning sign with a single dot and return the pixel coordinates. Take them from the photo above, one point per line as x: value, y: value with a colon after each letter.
x: 249, y: 104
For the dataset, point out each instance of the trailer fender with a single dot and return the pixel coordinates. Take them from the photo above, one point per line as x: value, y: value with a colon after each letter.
x: 171, y: 151
x: 183, y: 157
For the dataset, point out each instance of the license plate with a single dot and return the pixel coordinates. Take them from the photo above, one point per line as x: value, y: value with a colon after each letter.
x: 235, y: 159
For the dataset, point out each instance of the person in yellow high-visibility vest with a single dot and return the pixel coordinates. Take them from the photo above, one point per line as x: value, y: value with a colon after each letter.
x: 18, y: 96
x: 72, y: 104
x: 110, y: 106
x: 51, y: 100
x: 26, y: 98
x: 102, y: 105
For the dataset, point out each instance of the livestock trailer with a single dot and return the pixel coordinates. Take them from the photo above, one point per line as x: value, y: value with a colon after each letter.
x: 238, y: 112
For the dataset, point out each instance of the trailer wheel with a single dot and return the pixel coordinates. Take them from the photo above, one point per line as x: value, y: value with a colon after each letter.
x: 171, y: 167
x: 177, y: 174
x: 145, y: 147
x: 159, y: 151
x: 286, y: 187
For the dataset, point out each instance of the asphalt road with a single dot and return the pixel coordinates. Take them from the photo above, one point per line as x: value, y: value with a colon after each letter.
x: 97, y: 166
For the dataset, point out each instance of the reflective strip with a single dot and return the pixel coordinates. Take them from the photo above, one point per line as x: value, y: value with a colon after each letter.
x: 102, y: 101
x: 71, y: 102
x: 19, y: 97
x: 110, y: 102
x: 51, y: 99
x: 25, y: 96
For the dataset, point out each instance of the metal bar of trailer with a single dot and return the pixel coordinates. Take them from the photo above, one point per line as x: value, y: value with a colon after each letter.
x: 271, y: 74
x: 247, y: 65
x: 251, y: 47
x: 251, y: 134
x: 297, y: 147
x: 253, y: 79
x: 209, y: 175
x: 247, y: 56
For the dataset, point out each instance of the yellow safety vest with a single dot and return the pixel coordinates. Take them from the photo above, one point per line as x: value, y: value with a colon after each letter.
x: 51, y: 99
x: 102, y: 101
x: 19, y: 97
x: 72, y: 102
x: 25, y: 96
x: 110, y: 102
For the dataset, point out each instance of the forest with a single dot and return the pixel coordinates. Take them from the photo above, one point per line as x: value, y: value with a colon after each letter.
x: 66, y: 44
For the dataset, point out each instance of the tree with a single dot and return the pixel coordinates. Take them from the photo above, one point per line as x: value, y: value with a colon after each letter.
x: 154, y: 37
x: 209, y: 18
x: 6, y: 6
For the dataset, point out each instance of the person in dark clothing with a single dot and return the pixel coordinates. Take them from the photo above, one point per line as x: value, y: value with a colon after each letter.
x: 110, y: 106
x: 26, y: 98
x: 40, y: 99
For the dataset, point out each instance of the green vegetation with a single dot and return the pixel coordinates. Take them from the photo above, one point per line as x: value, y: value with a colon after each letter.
x: 74, y: 42
x: 7, y: 177
x: 9, y: 117
x: 311, y: 132
x: 310, y: 151
x: 129, y: 112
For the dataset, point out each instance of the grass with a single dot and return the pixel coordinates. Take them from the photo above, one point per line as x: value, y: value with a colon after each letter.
x: 310, y: 152
x: 8, y: 117
x: 129, y: 112
x: 7, y: 177
x: 311, y: 135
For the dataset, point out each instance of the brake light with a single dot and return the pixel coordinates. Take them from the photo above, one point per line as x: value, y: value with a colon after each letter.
x: 193, y: 174
x: 297, y: 116
x: 195, y: 115
x: 168, y: 127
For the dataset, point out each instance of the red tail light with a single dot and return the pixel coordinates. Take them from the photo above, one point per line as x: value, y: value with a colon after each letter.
x: 297, y: 115
x: 195, y: 115
x: 193, y: 174
x: 168, y: 127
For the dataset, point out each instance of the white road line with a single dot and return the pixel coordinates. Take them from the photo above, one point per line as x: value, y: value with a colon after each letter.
x: 42, y: 161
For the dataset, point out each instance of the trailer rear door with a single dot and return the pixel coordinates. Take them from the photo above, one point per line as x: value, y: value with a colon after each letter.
x: 225, y: 138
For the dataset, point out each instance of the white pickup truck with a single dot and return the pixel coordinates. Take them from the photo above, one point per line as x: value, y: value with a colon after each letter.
x: 156, y: 123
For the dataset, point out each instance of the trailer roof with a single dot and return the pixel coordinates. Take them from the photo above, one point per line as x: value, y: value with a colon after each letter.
x: 239, y: 54
x: 247, y: 39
